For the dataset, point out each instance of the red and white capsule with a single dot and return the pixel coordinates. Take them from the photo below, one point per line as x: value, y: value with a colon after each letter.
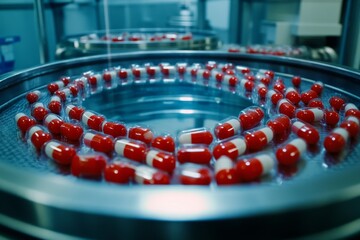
x: 251, y: 117
x: 195, y: 136
x: 331, y: 117
x: 351, y: 110
x: 99, y: 142
x: 74, y: 112
x: 352, y: 125
x: 247, y: 85
x: 225, y: 173
x: 292, y: 95
x: 296, y: 81
x: 336, y: 103
x: 280, y: 124
x: 33, y: 96
x: 160, y: 160
x: 55, y: 104
x: 218, y: 76
x: 168, y: 70
x: 71, y: 131
x: 230, y: 80
x: 92, y: 120
x: 109, y: 76
x: 316, y: 103
x: 59, y: 152
x: 139, y: 72
x: 165, y: 143
x: 194, y: 174
x: 142, y: 134
x: 119, y: 172
x: 274, y: 96
x: 151, y: 176
x: 317, y: 87
x: 287, y: 108
x: 53, y: 123
x: 39, y: 111
x: 336, y: 141
x: 308, y: 95
x: 88, y: 165
x: 94, y: 79
x: 114, y: 129
x: 63, y: 94
x: 227, y: 128
x: 291, y: 152
x: 53, y: 87
x: 24, y: 122
x: 252, y: 168
x: 259, y: 138
x: 38, y: 136
x: 231, y: 148
x: 153, y: 70
x: 131, y: 149
x: 305, y: 131
x: 125, y: 73
x: 310, y: 115
x: 194, y: 154
x: 261, y: 90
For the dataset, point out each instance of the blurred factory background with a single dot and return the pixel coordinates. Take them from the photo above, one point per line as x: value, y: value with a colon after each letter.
x: 30, y: 30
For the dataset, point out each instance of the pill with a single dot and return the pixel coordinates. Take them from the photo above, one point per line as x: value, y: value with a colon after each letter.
x: 251, y: 169
x: 148, y: 175
x: 227, y: 128
x: 53, y: 87
x: 310, y: 115
x: 39, y: 111
x: 286, y: 108
x: 230, y: 80
x: 63, y: 94
x: 109, y: 76
x: 265, y: 80
x: 153, y: 70
x: 336, y: 103
x: 280, y: 124
x: 53, y: 123
x: 114, y: 129
x: 194, y: 154
x: 259, y: 138
x: 192, y: 174
x: 168, y: 70
x: 292, y: 95
x: 306, y: 96
x: 94, y: 79
x: 261, y: 90
x: 316, y: 102
x: 305, y: 131
x: 161, y: 160
x: 336, y: 140
x: 274, y: 96
x: 88, y: 165
x: 131, y: 149
x: 351, y: 110
x: 33, y: 96
x: 55, y: 105
x: 195, y: 136
x: 165, y: 143
x: 59, y: 152
x: 291, y: 152
x: 317, y: 87
x: 231, y: 148
x: 251, y: 117
x: 98, y: 142
x: 139, y: 72
x: 296, y: 81
x: 24, y: 122
x: 247, y: 85
x: 218, y: 76
x: 38, y: 136
x: 71, y: 131
x: 279, y: 86
x: 74, y: 112
x: 351, y: 124
x: 226, y: 66
x: 181, y: 70
x: 124, y: 73
x: 142, y: 134
x: 92, y: 120
x: 225, y: 173
x: 331, y: 117
x: 119, y: 172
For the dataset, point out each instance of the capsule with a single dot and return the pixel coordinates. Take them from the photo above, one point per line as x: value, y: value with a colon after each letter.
x: 195, y: 136
x: 279, y: 86
x: 153, y: 70
x: 231, y: 148
x: 24, y: 122
x: 92, y: 120
x: 39, y: 111
x: 336, y: 103
x: 141, y: 134
x: 227, y: 128
x: 165, y: 143
x: 317, y: 87
x: 160, y: 160
x: 352, y: 110
x: 53, y: 123
x: 124, y: 73
x: 251, y: 117
x: 63, y: 94
x: 181, y: 69
x: 71, y: 131
x: 287, y: 108
x: 33, y: 97
x: 109, y: 76
x: 225, y: 173
x: 331, y: 118
x: 218, y: 76
x: 66, y: 80
x: 192, y: 174
x: 253, y: 168
x: 38, y: 136
x: 230, y: 80
x: 292, y: 95
x: 316, y: 103
x: 98, y: 142
x: 114, y: 129
x: 131, y: 149
x: 296, y: 81
x: 74, y: 112
x: 335, y: 142
x: 279, y: 124
x: 258, y: 139
x: 261, y: 90
x: 139, y: 72
x: 53, y: 87
x: 265, y: 80
x: 94, y: 79
x: 274, y: 96
x: 88, y: 165
x: 55, y: 105
x: 308, y: 95
x: 168, y: 70
x: 194, y: 154
x: 59, y: 152
x: 201, y: 73
x: 151, y: 176
x: 306, y: 132
x: 351, y: 124
x: 291, y: 152
x: 247, y: 85
x: 119, y: 172
x: 310, y: 115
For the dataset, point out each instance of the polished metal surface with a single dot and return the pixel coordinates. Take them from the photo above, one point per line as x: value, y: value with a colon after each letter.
x: 40, y: 199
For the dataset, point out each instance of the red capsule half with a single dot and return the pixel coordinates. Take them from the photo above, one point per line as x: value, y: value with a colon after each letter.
x: 308, y: 95
x: 119, y: 172
x: 33, y: 97
x: 24, y: 122
x: 59, y: 152
x: 165, y: 143
x: 306, y: 132
x: 141, y: 134
x: 55, y: 105
x: 39, y: 111
x: 336, y: 103
x: 71, y: 131
x: 352, y: 110
x: 131, y: 149
x: 53, y: 87
x: 251, y: 117
x: 88, y: 165
x: 195, y: 136
x: 274, y: 96
x: 74, y: 112
x: 317, y: 87
x: 99, y: 142
x: 292, y: 95
x: 253, y: 168
x: 287, y: 108
x: 53, y: 123
x: 291, y: 152
x: 151, y: 176
x: 114, y: 129
x: 352, y: 125
x: 38, y: 137
x: 280, y: 124
x: 225, y: 173
x: 194, y: 154
x: 335, y: 142
x: 227, y: 128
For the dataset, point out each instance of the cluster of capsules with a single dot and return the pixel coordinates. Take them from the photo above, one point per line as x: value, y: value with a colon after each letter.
x: 137, y: 37
x: 266, y: 50
x: 237, y: 149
